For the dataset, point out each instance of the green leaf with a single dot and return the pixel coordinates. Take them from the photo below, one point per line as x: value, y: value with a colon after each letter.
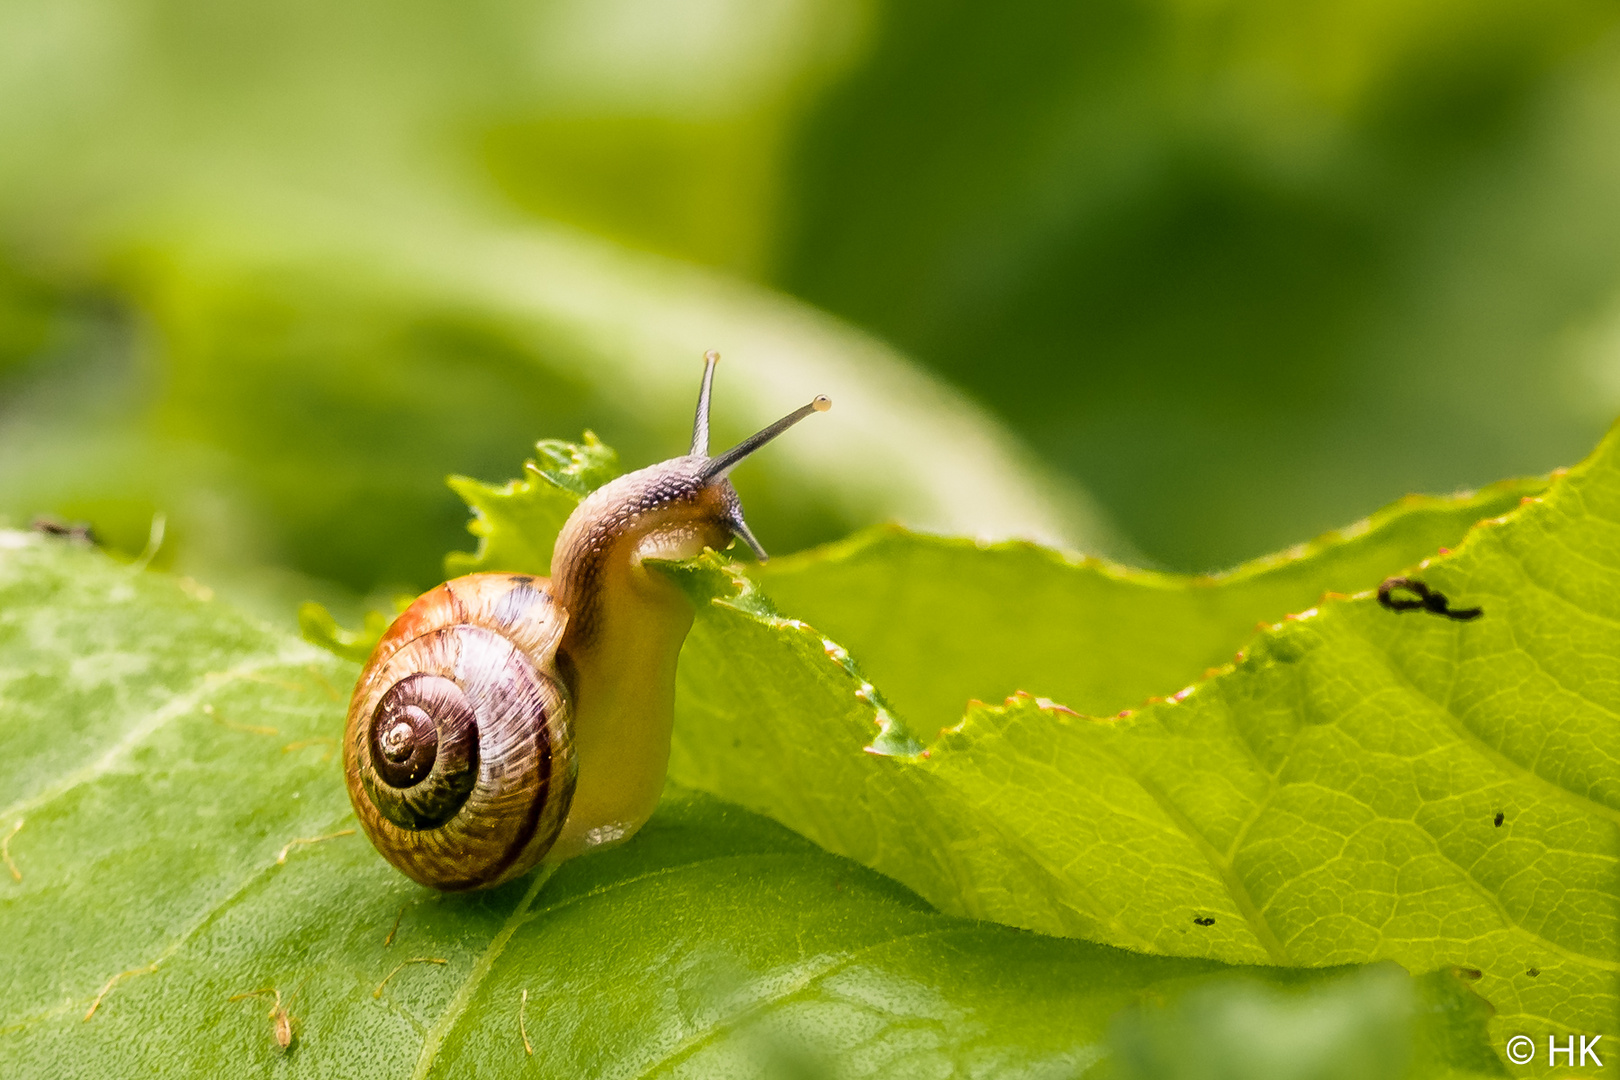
x: 517, y: 522
x: 185, y: 862
x: 1306, y: 806
x: 1241, y: 316
x: 320, y: 628
x: 1361, y: 785
x: 937, y: 621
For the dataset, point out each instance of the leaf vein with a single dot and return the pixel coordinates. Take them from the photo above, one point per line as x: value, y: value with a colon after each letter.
x: 699, y: 1040
x: 1469, y: 737
x: 1224, y: 872
x: 154, y: 721
x: 1095, y: 909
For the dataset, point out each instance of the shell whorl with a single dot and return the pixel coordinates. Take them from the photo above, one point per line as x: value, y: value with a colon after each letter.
x: 459, y: 747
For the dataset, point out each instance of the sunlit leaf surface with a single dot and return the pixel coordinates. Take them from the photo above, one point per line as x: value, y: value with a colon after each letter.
x: 1361, y: 784
x: 186, y: 890
x: 937, y: 621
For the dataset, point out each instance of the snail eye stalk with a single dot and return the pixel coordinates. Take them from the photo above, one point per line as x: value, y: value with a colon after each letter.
x: 721, y: 464
x: 700, y: 423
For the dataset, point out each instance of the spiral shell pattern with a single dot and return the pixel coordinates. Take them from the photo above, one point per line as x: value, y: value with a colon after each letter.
x: 459, y: 747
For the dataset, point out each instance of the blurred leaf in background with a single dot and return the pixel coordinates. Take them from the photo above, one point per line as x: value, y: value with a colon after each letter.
x: 1243, y: 273
x: 270, y: 275
x: 1246, y: 270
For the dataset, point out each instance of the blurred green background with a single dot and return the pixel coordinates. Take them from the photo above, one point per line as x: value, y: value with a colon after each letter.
x: 1181, y: 281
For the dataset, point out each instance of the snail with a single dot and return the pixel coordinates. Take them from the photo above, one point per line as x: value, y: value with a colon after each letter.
x: 506, y: 719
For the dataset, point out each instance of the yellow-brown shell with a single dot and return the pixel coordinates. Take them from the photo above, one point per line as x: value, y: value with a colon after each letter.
x: 459, y: 750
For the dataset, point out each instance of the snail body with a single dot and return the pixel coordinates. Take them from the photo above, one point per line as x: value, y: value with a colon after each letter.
x: 506, y: 719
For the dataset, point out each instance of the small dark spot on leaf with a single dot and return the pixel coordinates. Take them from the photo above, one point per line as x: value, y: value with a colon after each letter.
x: 1471, y: 974
x: 1423, y: 598
x: 1204, y: 920
x: 1500, y: 817
x: 1532, y: 972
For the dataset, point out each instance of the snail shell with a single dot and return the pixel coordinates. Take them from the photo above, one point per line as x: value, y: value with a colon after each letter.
x: 458, y: 751
x: 487, y: 700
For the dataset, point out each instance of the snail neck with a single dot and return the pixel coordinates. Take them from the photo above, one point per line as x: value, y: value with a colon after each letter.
x: 625, y: 627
